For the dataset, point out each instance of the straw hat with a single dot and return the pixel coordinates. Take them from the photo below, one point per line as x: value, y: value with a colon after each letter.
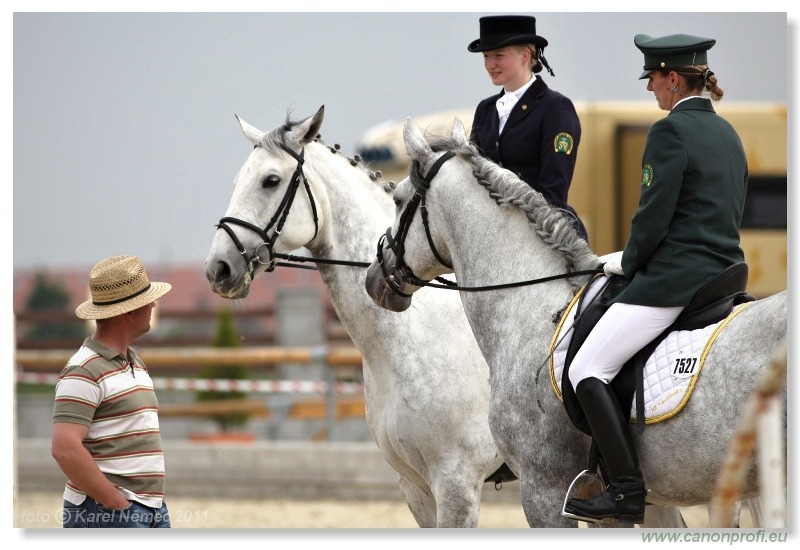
x: 118, y: 285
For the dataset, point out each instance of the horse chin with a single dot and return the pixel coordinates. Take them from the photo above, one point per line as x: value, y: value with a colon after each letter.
x: 240, y: 290
x: 382, y: 294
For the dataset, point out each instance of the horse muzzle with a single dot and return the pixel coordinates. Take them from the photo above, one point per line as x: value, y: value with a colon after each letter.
x: 382, y: 292
x: 225, y: 282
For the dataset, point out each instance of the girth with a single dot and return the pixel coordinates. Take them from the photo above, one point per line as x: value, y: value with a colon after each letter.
x: 712, y: 303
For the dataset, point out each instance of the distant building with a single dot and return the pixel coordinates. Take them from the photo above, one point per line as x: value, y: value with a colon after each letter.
x: 187, y: 314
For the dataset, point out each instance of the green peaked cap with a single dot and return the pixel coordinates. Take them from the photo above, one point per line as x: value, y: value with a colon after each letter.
x: 672, y: 51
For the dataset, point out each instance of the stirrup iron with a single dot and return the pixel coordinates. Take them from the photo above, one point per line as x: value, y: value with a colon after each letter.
x: 586, y: 484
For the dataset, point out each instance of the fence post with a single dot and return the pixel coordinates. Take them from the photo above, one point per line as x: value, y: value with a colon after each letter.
x: 330, y: 399
x: 771, y: 451
x: 300, y: 322
x: 760, y: 422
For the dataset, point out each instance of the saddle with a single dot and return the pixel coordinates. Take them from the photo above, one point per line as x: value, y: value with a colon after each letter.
x: 712, y: 303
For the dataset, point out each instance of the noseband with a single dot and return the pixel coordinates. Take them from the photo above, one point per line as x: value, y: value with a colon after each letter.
x: 397, y: 244
x: 278, y: 220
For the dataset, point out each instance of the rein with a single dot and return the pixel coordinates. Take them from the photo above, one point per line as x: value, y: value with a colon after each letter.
x: 300, y: 259
x: 397, y: 246
x: 443, y: 283
x: 268, y: 242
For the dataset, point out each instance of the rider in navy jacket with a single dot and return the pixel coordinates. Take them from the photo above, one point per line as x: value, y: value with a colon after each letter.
x: 541, y: 133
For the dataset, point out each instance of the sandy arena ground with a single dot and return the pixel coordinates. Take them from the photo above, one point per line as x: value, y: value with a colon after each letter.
x: 41, y: 510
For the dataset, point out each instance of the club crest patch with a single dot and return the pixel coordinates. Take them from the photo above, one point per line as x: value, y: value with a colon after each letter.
x: 563, y: 143
x: 647, y: 175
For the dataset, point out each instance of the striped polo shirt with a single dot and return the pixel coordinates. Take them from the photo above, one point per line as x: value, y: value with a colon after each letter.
x: 113, y: 395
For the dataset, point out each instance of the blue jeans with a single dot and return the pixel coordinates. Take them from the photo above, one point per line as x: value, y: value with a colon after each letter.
x: 92, y: 515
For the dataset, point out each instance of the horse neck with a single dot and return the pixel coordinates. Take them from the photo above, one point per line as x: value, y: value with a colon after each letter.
x: 356, y: 212
x: 501, y: 248
x: 357, y: 209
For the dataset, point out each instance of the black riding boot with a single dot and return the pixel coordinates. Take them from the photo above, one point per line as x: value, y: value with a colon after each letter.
x: 624, y: 497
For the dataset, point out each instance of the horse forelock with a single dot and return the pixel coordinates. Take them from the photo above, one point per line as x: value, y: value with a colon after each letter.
x: 272, y: 141
x: 415, y: 175
x: 276, y: 139
x: 438, y: 144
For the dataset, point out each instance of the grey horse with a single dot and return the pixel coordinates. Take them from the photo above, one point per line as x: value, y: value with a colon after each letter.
x: 426, y: 396
x: 490, y: 228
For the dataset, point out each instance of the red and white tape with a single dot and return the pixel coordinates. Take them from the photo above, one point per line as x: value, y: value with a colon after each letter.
x: 215, y: 384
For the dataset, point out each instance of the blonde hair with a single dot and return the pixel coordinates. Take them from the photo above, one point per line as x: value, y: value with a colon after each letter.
x: 538, y: 61
x: 535, y: 63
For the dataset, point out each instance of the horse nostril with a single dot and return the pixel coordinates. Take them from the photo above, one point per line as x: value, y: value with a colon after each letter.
x: 220, y: 272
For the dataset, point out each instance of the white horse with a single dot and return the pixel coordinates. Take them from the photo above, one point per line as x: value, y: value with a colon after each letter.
x: 426, y: 381
x: 524, y: 239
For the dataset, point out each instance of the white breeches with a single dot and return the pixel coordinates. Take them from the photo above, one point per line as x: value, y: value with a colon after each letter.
x: 622, y: 331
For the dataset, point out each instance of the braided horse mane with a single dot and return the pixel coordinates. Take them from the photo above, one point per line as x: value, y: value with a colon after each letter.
x: 552, y: 224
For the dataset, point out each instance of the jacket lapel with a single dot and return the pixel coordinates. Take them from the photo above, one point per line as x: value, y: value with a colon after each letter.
x: 526, y: 104
x: 494, y: 121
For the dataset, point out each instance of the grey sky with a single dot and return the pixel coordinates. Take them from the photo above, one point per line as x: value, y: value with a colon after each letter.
x: 124, y: 135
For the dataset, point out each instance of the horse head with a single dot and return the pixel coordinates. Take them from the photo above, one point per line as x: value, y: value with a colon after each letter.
x: 270, y: 194
x: 410, y: 254
x: 419, y: 148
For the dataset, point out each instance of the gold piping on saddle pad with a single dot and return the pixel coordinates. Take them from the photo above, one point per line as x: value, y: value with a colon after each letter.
x: 663, y: 405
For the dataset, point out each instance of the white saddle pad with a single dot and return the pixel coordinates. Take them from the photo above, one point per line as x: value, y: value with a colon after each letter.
x: 670, y: 372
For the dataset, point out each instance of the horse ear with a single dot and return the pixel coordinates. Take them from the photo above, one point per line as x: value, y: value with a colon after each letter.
x: 254, y: 135
x: 416, y: 145
x: 307, y: 130
x: 459, y: 133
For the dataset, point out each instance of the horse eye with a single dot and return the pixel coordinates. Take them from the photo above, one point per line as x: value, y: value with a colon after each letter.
x: 397, y: 202
x: 270, y: 181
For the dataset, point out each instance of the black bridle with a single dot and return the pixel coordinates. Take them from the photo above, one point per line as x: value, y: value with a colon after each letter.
x: 397, y: 245
x: 278, y: 219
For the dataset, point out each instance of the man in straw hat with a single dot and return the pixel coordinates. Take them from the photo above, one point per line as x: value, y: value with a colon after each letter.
x: 106, y: 437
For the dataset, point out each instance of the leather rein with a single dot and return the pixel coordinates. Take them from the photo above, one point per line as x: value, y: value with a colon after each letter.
x: 397, y: 246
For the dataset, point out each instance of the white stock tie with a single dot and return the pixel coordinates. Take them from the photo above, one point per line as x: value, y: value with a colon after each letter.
x: 504, y: 106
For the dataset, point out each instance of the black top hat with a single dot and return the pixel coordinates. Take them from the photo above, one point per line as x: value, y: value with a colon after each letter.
x: 498, y: 31
x: 673, y: 51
